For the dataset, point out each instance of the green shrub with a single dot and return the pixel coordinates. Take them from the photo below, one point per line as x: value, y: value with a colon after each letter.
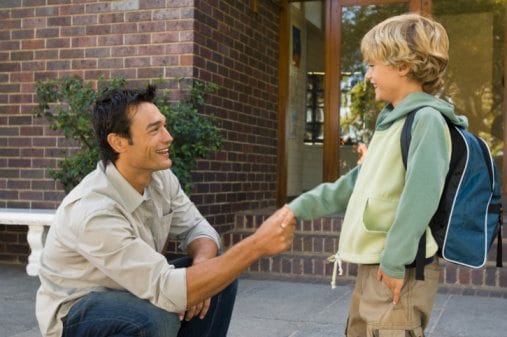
x: 67, y: 102
x: 363, y: 113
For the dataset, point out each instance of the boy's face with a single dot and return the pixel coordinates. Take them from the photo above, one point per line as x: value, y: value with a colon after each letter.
x: 388, y: 81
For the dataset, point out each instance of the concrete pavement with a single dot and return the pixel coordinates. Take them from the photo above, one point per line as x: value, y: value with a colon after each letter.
x: 268, y: 308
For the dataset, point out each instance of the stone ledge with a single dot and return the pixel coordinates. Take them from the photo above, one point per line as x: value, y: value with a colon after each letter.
x: 38, y: 222
x: 25, y: 216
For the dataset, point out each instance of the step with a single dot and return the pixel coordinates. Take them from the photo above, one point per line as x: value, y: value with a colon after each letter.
x: 316, y: 240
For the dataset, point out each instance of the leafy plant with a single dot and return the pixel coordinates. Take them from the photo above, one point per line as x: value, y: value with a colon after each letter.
x: 66, y: 103
x: 195, y: 135
x: 364, y: 109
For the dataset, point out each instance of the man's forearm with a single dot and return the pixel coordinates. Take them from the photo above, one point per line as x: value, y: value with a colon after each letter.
x: 204, y: 280
x: 275, y: 235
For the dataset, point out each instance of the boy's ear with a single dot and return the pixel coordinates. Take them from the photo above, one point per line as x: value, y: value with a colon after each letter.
x: 403, y: 70
x: 117, y: 142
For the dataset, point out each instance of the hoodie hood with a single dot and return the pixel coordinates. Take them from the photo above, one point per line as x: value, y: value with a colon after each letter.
x: 414, y: 101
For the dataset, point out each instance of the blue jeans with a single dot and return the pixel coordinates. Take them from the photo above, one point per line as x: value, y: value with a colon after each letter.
x: 121, y: 314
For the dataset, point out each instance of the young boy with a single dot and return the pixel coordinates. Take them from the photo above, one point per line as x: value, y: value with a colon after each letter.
x: 387, y: 207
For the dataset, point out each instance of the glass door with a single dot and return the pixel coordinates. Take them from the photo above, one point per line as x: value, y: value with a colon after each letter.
x: 350, y: 108
x: 358, y: 110
x: 305, y: 104
x: 327, y: 110
x: 319, y: 87
x: 475, y: 79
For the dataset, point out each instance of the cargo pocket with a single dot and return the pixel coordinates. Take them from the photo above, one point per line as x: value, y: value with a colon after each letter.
x: 417, y: 332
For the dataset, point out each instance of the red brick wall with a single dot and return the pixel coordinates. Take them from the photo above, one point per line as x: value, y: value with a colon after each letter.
x: 238, y: 49
x: 138, y: 40
x: 224, y: 42
x: 316, y: 240
x: 13, y: 245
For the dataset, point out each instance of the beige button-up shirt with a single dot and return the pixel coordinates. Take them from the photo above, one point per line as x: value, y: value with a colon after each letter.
x: 108, y: 236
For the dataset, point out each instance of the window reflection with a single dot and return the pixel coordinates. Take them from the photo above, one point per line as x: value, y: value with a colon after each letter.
x: 475, y: 82
x: 314, y: 132
x: 358, y: 108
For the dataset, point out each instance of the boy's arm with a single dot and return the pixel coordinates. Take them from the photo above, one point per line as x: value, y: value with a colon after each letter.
x: 427, y: 166
x: 325, y: 199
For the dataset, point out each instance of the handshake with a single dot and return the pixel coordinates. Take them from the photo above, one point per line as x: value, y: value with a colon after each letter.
x: 276, y: 234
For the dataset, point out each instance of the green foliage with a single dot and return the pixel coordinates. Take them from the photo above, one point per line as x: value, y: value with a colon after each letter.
x: 363, y: 113
x: 67, y: 103
x: 195, y: 135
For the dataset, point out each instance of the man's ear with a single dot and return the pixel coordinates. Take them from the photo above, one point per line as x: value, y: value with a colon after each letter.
x: 117, y: 142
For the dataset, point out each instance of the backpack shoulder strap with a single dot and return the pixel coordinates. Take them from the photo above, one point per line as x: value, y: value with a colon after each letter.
x: 406, y: 136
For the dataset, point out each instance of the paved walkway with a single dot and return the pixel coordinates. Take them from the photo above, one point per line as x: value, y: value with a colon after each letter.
x: 267, y: 308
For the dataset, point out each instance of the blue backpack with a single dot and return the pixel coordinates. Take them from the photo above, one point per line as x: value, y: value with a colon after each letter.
x: 469, y: 215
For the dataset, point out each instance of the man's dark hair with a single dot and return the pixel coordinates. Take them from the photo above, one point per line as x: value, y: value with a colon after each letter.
x: 111, y: 114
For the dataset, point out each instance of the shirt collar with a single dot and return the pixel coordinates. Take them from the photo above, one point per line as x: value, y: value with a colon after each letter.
x: 131, y: 198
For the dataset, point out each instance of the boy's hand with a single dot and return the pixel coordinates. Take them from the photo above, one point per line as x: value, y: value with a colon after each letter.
x: 289, y: 219
x: 395, y: 284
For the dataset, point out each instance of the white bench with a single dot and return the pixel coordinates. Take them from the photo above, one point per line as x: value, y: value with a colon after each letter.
x: 38, y: 222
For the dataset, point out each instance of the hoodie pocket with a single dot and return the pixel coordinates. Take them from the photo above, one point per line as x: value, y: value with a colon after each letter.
x: 378, y: 214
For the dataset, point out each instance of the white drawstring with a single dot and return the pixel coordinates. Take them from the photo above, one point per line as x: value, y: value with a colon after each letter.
x: 336, y: 259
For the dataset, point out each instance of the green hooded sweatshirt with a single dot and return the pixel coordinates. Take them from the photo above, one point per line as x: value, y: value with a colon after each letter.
x: 387, y: 207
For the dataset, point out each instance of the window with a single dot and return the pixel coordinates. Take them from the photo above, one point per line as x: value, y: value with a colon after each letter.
x: 314, y: 121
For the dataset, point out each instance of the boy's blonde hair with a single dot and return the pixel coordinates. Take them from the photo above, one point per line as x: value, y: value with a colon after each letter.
x: 410, y: 40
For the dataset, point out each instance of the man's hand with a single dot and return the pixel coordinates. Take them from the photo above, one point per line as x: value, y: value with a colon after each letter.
x: 200, y: 310
x: 395, y: 284
x: 275, y: 235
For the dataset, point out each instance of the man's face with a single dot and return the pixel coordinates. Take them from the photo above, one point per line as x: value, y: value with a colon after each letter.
x: 149, y: 148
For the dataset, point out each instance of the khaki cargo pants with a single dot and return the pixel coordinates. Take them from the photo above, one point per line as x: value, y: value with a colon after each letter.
x: 372, y: 313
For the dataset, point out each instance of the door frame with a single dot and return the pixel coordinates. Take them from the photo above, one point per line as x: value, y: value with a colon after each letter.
x: 332, y: 97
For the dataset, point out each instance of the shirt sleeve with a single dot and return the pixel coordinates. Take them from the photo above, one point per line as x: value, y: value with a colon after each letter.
x: 325, y: 199
x: 107, y: 241
x: 187, y: 223
x: 427, y: 166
